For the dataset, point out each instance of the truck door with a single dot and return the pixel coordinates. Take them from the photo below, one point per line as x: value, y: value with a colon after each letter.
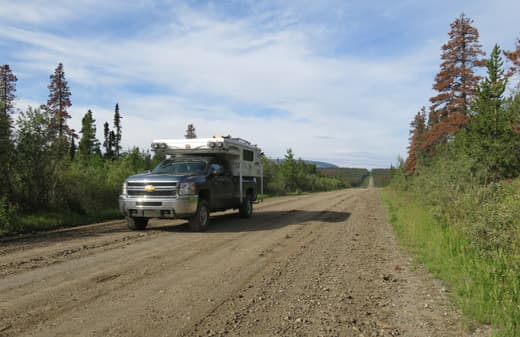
x: 221, y: 186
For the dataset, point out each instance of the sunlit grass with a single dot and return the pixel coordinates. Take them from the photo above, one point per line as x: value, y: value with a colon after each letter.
x: 485, y: 285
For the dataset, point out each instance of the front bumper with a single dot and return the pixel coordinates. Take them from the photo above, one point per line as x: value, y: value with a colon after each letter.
x: 181, y: 207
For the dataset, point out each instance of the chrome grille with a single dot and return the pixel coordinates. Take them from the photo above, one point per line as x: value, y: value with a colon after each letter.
x: 162, y: 189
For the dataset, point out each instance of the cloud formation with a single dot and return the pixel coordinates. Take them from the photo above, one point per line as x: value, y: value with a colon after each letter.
x: 283, y: 75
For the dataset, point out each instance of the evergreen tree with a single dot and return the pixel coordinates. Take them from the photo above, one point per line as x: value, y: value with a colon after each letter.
x: 190, y: 132
x: 88, y: 145
x: 112, y: 143
x: 59, y: 102
x: 73, y: 147
x: 117, y: 135
x: 417, y: 131
x: 108, y: 142
x: 456, y: 83
x: 289, y: 171
x: 491, y: 135
x: 7, y: 90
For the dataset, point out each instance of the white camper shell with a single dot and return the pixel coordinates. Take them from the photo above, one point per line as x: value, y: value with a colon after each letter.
x: 243, y: 157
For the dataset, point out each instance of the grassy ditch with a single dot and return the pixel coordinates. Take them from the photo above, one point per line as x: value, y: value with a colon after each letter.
x: 485, y: 284
x: 52, y: 220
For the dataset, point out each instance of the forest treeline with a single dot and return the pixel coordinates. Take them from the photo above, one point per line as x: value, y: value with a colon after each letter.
x: 353, y: 177
x: 463, y: 165
x: 53, y: 175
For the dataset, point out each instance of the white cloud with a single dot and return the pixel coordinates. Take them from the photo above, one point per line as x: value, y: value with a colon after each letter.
x: 202, y: 69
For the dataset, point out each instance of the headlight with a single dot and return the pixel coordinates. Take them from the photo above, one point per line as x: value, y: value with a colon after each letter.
x: 187, y: 189
x: 123, y: 192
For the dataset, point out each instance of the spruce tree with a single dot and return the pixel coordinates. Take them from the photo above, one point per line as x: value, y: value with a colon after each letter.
x: 456, y: 83
x: 417, y: 131
x: 190, y: 132
x: 88, y: 145
x: 7, y: 96
x: 59, y: 102
x: 73, y: 147
x: 289, y: 171
x: 112, y: 143
x: 117, y: 135
x: 108, y: 142
x: 491, y: 136
x: 7, y: 89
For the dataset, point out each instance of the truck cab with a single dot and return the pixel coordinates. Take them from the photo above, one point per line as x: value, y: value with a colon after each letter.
x: 193, y: 182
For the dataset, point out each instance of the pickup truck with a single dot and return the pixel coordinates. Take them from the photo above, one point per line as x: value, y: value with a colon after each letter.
x: 187, y: 187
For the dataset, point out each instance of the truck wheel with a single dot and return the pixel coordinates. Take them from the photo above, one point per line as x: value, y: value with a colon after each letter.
x: 246, y: 208
x: 136, y: 223
x: 200, y: 221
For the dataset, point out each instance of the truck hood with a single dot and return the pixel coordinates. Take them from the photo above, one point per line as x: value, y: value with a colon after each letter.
x: 151, y: 177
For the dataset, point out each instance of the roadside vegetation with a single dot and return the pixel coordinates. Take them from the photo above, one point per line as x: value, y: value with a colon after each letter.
x: 295, y: 176
x: 381, y: 177
x: 353, y: 177
x: 454, y: 201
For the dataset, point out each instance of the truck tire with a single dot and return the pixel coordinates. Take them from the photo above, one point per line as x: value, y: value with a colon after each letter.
x: 246, y: 208
x: 136, y: 224
x: 200, y: 221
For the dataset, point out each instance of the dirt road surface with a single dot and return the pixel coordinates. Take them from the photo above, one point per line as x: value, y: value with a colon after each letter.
x: 324, y: 264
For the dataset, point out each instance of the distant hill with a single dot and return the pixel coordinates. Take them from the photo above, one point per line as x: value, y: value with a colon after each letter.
x: 320, y: 164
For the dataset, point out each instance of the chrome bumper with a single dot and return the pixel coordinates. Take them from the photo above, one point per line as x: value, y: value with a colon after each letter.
x: 182, y: 207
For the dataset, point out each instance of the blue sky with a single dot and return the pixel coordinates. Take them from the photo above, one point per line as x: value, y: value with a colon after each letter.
x: 336, y: 81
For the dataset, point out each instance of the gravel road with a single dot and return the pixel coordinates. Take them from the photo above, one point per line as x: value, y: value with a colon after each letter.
x: 324, y: 264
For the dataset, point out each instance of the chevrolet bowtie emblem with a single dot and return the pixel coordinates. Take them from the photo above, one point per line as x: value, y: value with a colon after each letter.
x: 149, y: 188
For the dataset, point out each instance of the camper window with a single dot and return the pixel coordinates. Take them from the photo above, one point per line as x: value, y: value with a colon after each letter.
x: 248, y: 155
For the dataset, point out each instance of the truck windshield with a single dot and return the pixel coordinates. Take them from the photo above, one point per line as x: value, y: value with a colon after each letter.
x: 184, y: 167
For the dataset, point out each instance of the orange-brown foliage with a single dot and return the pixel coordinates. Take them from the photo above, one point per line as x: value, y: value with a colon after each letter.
x: 514, y: 57
x: 417, y: 131
x: 456, y: 82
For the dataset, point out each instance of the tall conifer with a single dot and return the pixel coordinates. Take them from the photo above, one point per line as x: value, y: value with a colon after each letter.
x: 88, y: 145
x: 417, y: 131
x: 59, y: 102
x: 117, y: 134
x: 7, y: 96
x: 190, y: 132
x: 456, y: 83
x: 107, y: 142
x: 491, y: 136
x: 7, y: 89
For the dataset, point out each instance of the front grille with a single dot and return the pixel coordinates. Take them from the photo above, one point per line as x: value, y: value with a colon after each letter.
x: 156, y: 193
x: 161, y: 189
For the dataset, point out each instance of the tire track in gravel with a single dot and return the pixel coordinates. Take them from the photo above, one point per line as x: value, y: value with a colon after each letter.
x: 37, y: 246
x: 34, y: 314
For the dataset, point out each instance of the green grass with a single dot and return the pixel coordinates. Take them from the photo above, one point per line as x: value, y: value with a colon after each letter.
x: 53, y: 220
x: 484, y: 285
